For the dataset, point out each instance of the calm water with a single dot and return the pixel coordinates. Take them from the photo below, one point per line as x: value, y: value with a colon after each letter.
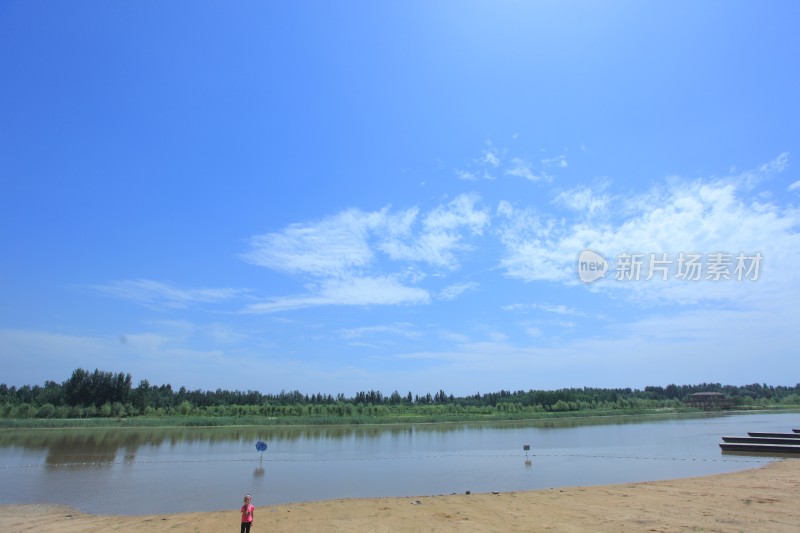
x: 142, y: 471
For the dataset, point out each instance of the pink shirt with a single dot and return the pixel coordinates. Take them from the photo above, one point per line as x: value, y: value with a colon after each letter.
x: 247, y: 513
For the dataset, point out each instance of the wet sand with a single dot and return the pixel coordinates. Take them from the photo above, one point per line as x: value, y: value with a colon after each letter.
x: 762, y: 499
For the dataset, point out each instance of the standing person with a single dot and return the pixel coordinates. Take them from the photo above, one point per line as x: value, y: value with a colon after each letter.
x: 247, y: 514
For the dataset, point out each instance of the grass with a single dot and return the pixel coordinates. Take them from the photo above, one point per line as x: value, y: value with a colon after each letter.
x: 255, y: 420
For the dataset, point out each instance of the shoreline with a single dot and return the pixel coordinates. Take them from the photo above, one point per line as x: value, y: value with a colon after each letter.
x: 160, y: 422
x: 765, y: 498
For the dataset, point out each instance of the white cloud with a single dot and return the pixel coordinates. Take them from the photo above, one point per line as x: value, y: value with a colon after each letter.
x: 330, y: 247
x: 584, y: 200
x: 466, y: 176
x: 701, y: 215
x: 559, y: 309
x: 348, y: 255
x: 794, y: 186
x: 654, y: 350
x: 367, y: 291
x: 777, y: 165
x: 155, y: 294
x: 751, y: 178
x: 346, y: 244
x: 452, y: 292
x: 402, y: 329
x: 505, y: 209
x: 460, y: 212
x: 522, y: 169
x: 558, y: 161
x: 354, y: 291
x: 442, y: 235
x: 489, y: 163
x: 490, y: 158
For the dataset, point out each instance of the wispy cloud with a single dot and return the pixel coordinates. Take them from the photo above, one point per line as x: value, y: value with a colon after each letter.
x: 523, y: 169
x: 751, y: 178
x: 156, y: 294
x: 557, y: 162
x: 402, y: 329
x: 491, y: 158
x: 705, y: 215
x: 347, y: 243
x: 331, y: 247
x: 442, y: 235
x: 466, y: 176
x: 353, y: 291
x: 494, y: 161
x: 452, y: 292
x: 635, y: 354
x: 559, y: 309
x: 347, y: 255
x: 585, y: 200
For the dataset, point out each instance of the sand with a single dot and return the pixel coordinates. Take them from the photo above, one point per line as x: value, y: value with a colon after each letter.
x: 762, y: 499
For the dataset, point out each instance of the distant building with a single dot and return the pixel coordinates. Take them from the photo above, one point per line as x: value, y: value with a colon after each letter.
x: 709, y: 401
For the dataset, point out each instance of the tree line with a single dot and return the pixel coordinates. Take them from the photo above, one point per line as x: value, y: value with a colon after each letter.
x: 102, y: 393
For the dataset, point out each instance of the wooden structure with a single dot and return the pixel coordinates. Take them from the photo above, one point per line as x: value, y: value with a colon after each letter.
x: 775, y: 435
x: 762, y: 440
x: 709, y: 401
x: 774, y: 444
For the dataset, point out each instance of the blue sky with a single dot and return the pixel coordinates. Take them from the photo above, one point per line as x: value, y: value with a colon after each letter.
x: 342, y: 196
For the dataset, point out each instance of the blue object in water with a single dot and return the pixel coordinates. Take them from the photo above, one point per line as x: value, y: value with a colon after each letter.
x: 261, y: 446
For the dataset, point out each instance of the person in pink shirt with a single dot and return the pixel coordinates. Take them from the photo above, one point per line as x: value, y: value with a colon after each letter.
x: 247, y: 514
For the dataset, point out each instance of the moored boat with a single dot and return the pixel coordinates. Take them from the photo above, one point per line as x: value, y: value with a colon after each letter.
x: 760, y: 448
x: 763, y: 440
x: 775, y: 435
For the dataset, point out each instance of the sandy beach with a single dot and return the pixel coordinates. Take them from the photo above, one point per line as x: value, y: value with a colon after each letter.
x: 761, y: 499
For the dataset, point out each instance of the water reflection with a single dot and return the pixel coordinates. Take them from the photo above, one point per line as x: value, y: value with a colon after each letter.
x: 101, y: 445
x: 259, y: 471
x: 141, y: 470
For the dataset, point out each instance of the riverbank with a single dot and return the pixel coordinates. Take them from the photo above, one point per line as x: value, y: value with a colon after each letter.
x: 176, y: 421
x: 763, y: 499
x: 284, y: 421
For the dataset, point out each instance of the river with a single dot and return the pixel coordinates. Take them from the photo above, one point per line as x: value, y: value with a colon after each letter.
x: 157, y: 470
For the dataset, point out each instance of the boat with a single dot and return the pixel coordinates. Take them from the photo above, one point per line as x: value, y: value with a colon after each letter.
x: 775, y: 435
x: 782, y: 449
x: 762, y: 440
x: 764, y: 443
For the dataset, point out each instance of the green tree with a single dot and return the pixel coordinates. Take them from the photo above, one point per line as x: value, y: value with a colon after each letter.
x: 185, y: 408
